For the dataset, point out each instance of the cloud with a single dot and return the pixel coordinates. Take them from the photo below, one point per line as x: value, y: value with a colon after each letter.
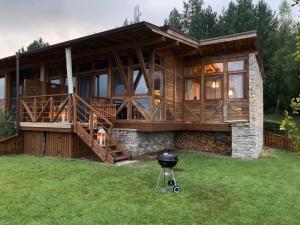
x: 22, y: 21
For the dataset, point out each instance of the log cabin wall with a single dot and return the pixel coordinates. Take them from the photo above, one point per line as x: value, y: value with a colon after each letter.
x: 55, y: 144
x: 214, y: 93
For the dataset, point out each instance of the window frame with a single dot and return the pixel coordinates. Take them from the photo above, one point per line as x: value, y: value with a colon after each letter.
x: 244, y: 73
x: 101, y: 73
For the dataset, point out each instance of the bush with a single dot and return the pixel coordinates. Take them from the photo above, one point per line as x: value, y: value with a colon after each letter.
x: 274, y: 127
x: 289, y: 124
x: 7, y: 125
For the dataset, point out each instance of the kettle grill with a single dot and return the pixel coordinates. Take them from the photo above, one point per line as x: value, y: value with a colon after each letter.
x: 167, y: 161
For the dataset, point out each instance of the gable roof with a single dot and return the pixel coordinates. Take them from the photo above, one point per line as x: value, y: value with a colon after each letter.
x: 128, y: 35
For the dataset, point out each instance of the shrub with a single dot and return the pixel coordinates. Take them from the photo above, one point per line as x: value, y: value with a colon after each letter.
x: 7, y: 125
x: 289, y: 124
x: 274, y: 127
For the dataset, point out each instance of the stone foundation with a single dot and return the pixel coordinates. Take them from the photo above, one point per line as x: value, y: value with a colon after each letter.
x: 139, y: 143
x: 247, y: 138
x: 215, y: 142
x: 246, y: 141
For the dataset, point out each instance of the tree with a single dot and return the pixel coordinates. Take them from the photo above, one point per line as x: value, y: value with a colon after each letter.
x: 174, y: 20
x: 203, y: 24
x: 36, y: 44
x: 283, y: 80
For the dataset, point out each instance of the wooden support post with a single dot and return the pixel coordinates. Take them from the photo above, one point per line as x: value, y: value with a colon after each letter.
x: 18, y: 92
x: 202, y: 94
x: 51, y: 110
x: 69, y: 70
x: 225, y: 92
x: 34, y: 109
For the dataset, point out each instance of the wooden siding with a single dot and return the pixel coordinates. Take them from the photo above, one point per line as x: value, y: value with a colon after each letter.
x: 32, y: 88
x: 11, y: 145
x: 56, y: 144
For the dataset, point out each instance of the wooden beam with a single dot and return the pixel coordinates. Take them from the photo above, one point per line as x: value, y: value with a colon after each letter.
x: 144, y: 69
x: 140, y: 109
x: 122, y: 71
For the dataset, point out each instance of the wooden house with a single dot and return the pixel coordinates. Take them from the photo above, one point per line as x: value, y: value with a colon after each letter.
x: 137, y: 89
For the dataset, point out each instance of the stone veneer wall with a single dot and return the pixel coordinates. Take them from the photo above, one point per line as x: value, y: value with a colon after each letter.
x: 247, y: 138
x: 139, y: 143
x: 216, y: 142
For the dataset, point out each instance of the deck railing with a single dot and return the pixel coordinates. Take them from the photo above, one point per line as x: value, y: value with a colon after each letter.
x: 67, y: 108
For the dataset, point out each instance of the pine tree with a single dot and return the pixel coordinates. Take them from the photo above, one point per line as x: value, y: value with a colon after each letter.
x: 174, y: 20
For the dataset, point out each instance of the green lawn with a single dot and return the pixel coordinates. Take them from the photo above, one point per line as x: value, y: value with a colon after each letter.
x: 216, y: 190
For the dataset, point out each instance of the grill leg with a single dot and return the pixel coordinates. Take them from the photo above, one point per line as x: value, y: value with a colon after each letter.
x: 173, y: 177
x: 159, y: 178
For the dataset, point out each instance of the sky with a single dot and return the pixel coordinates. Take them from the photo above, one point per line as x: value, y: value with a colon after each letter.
x: 22, y: 21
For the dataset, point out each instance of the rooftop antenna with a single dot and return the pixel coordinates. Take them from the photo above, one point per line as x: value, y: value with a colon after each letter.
x: 137, y: 14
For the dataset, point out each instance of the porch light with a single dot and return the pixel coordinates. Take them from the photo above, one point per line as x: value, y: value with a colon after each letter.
x: 215, y: 84
x: 64, y: 115
x: 94, y: 121
x: 101, y: 137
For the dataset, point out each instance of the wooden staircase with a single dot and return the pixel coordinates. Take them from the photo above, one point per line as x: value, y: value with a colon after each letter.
x: 87, y: 122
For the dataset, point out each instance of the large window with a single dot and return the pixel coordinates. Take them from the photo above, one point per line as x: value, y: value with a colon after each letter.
x: 2, y: 87
x: 192, y: 89
x: 213, y: 88
x: 236, y: 79
x: 102, y: 85
x: 118, y: 84
x: 139, y: 82
x: 158, y: 83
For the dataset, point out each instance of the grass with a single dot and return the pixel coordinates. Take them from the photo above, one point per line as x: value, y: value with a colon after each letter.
x: 216, y: 190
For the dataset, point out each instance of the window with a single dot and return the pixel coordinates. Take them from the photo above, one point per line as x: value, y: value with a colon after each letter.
x: 144, y: 102
x: 158, y: 109
x: 122, y: 115
x: 213, y: 88
x: 158, y: 83
x: 2, y: 87
x: 139, y: 82
x: 236, y: 86
x: 192, y: 89
x: 192, y: 71
x: 118, y: 84
x: 236, y: 65
x: 101, y: 85
x: 214, y: 68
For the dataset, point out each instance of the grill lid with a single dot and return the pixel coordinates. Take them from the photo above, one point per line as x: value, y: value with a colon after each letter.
x: 167, y: 160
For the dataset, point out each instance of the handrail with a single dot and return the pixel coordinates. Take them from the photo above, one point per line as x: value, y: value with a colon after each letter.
x: 8, y: 138
x: 41, y: 96
x: 94, y: 110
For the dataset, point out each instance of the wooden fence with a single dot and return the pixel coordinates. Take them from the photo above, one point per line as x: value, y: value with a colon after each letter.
x: 278, y: 141
x: 11, y: 145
